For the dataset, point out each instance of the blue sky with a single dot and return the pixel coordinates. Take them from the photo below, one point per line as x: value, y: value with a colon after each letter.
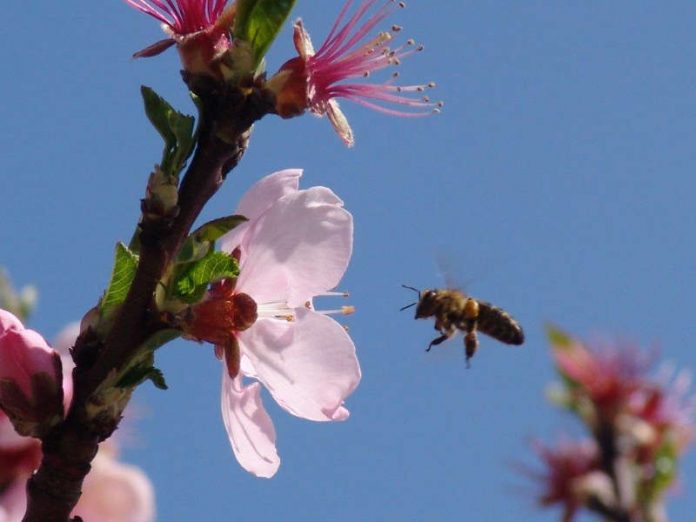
x: 558, y: 183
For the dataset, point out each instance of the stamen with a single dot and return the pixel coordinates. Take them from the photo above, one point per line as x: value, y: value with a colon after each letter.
x: 335, y: 293
x: 344, y: 310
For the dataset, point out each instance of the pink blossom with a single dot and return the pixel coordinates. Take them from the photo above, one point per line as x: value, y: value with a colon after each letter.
x: 30, y: 378
x: 669, y: 411
x: 566, y: 471
x: 112, y: 492
x: 314, y: 80
x: 115, y: 492
x: 606, y: 376
x: 200, y: 28
x: 295, y: 246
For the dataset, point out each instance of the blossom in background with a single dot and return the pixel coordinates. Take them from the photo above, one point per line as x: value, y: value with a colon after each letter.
x: 570, y: 473
x: 606, y: 376
x: 314, y: 80
x: 112, y: 491
x: 666, y: 411
x: 295, y: 246
x: 200, y: 28
x: 31, y: 393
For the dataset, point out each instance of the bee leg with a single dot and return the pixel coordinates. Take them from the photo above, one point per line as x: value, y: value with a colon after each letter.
x: 470, y: 345
x: 439, y: 340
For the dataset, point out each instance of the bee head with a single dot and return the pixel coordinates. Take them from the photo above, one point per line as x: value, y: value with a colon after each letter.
x: 426, y: 304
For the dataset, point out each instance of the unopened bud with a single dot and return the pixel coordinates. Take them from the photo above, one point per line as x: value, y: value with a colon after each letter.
x: 31, y: 390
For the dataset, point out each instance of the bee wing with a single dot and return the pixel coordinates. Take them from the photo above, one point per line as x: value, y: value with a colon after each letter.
x: 498, y: 324
x: 450, y: 272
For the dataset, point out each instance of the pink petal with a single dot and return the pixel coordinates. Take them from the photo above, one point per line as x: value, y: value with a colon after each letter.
x: 298, y: 249
x: 9, y: 438
x: 63, y: 342
x: 116, y: 492
x: 24, y: 353
x: 66, y: 338
x: 13, y: 500
x: 249, y: 427
x: 9, y: 321
x: 308, y: 365
x: 258, y: 199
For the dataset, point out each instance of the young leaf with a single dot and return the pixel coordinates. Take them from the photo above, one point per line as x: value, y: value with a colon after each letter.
x: 125, y: 265
x: 258, y: 22
x: 192, y: 284
x: 200, y: 242
x: 557, y: 337
x: 175, y: 128
x: 215, y: 229
x: 139, y: 374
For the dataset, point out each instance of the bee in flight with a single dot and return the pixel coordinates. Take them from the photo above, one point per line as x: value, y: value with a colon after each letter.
x: 454, y: 310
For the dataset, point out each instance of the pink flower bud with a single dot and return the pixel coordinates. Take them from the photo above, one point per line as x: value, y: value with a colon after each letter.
x: 31, y: 392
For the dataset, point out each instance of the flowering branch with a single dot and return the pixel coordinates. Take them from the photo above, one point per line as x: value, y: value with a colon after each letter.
x: 639, y: 428
x: 169, y: 282
x: 55, y: 488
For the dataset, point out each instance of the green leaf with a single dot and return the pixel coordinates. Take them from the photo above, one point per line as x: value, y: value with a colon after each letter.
x: 201, y: 241
x: 215, y: 229
x: 558, y: 338
x: 191, y: 286
x: 139, y: 374
x: 125, y: 265
x: 258, y: 22
x: 175, y: 128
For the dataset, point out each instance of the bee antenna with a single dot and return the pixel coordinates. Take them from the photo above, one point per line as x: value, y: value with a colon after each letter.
x: 414, y: 289
x: 407, y: 306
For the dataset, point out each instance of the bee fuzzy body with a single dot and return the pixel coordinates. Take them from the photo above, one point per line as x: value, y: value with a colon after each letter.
x: 453, y: 310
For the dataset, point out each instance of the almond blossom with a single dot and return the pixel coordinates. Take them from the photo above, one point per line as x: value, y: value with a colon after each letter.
x: 112, y: 491
x: 569, y: 475
x: 31, y: 393
x: 606, y: 376
x: 200, y: 28
x: 315, y: 79
x: 295, y: 246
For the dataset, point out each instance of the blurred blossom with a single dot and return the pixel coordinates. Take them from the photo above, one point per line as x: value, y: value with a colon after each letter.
x: 112, y: 492
x: 295, y: 246
x: 668, y: 409
x: 199, y: 28
x: 607, y: 376
x: 314, y: 80
x: 31, y: 393
x: 570, y: 473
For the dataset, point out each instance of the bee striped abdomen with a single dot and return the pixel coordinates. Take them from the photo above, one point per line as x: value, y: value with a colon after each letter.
x: 499, y: 324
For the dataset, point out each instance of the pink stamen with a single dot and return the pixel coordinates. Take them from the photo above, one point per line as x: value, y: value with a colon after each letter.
x: 342, y: 56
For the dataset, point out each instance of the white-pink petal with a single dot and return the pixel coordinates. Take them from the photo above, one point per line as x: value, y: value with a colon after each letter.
x: 298, y: 249
x: 309, y: 365
x: 9, y: 321
x: 258, y: 199
x: 116, y: 492
x: 249, y: 427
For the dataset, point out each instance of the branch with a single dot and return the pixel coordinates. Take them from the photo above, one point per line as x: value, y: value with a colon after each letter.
x: 227, y: 114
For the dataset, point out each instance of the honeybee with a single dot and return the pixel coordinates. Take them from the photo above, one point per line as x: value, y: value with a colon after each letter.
x: 454, y: 310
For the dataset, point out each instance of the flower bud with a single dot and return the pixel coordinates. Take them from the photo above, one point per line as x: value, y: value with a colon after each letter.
x: 31, y: 392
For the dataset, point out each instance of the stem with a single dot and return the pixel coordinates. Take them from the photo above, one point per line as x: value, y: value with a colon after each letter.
x: 225, y: 122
